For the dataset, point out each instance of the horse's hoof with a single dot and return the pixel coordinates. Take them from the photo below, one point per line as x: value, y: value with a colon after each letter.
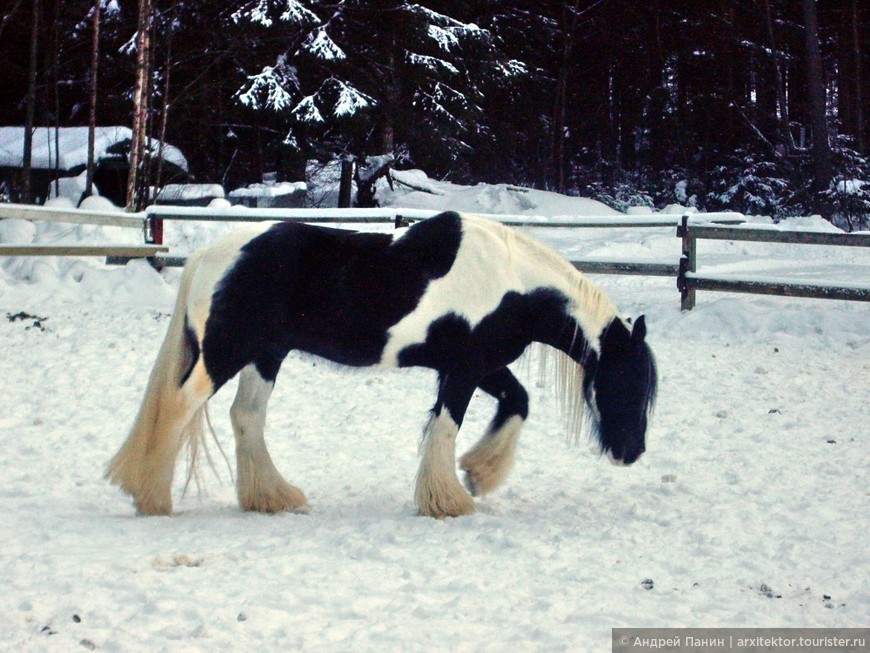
x: 152, y: 508
x: 282, y: 497
x: 451, y: 509
x: 471, y: 484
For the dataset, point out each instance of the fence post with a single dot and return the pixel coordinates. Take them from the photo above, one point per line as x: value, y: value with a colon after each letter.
x: 153, y: 227
x: 688, y: 263
x: 345, y: 189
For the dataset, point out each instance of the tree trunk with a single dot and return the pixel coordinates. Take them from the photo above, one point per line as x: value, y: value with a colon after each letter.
x: 785, y: 135
x: 92, y: 90
x: 386, y: 128
x: 30, y: 107
x: 164, y: 119
x: 822, y: 171
x: 560, y: 99
x: 146, y: 126
x: 56, y: 64
x: 859, y: 87
x: 139, y: 103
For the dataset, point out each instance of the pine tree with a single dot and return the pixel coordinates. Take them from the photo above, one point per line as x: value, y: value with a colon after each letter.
x: 367, y: 77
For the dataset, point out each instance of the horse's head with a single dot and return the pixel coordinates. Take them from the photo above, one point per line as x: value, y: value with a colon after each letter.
x: 620, y: 390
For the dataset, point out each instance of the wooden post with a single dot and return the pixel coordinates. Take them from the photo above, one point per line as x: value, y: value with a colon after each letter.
x: 153, y: 227
x: 688, y: 263
x: 345, y: 188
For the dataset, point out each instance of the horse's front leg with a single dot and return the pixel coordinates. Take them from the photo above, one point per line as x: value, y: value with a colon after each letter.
x: 488, y: 462
x: 438, y: 492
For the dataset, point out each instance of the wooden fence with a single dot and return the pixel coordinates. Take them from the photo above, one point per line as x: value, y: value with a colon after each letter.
x: 151, y: 221
x: 689, y: 281
x: 112, y: 252
x: 399, y: 217
x: 690, y: 228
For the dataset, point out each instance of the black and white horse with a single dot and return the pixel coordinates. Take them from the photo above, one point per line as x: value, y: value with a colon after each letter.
x: 458, y: 294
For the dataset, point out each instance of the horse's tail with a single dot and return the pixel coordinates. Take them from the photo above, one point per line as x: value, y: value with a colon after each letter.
x: 173, y: 412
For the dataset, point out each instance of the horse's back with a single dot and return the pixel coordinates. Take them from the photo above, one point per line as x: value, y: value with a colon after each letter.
x: 332, y: 292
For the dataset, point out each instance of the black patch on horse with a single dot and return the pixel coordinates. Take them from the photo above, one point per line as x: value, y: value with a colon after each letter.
x: 190, y: 354
x: 453, y: 348
x: 330, y: 292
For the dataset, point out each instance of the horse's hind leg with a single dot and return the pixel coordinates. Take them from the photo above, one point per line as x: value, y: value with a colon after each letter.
x: 488, y: 462
x: 261, y: 487
x: 438, y: 492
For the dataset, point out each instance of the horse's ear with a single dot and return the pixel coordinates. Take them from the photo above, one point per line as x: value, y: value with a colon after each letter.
x: 638, y: 333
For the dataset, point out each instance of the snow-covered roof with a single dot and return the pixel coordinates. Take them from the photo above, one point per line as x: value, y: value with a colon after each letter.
x: 73, y: 146
x: 269, y: 190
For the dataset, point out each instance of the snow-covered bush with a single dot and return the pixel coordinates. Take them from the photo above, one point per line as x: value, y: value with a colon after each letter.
x: 848, y: 203
x: 750, y: 184
x: 620, y: 196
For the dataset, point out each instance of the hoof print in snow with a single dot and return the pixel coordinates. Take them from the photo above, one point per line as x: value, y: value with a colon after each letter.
x: 768, y: 592
x: 832, y: 442
x: 48, y: 630
x: 179, y: 560
x: 88, y: 644
x: 76, y: 619
x: 774, y: 411
x: 647, y: 583
x: 21, y: 316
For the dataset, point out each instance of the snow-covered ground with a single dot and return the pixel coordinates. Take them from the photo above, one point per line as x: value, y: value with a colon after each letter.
x: 750, y: 507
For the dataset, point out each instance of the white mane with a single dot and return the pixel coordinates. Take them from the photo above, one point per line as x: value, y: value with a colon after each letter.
x: 542, y: 266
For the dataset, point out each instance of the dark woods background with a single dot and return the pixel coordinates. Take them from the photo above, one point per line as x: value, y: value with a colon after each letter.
x: 756, y: 105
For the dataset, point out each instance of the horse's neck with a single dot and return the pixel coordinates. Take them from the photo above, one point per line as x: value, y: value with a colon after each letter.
x: 589, y: 309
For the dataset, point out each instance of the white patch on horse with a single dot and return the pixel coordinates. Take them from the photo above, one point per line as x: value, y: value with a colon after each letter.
x: 494, y: 260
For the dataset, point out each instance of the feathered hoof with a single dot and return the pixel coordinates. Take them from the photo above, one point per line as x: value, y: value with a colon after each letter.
x: 153, y: 506
x: 488, y: 463
x: 482, y: 476
x: 283, y: 497
x: 441, y: 507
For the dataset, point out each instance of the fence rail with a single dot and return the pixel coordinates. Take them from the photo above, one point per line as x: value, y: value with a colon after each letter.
x: 126, y: 252
x: 784, y: 288
x: 689, y: 281
x: 636, y: 268
x: 754, y: 234
x: 73, y: 216
x: 690, y: 228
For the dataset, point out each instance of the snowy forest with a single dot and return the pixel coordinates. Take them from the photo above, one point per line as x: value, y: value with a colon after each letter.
x: 759, y: 106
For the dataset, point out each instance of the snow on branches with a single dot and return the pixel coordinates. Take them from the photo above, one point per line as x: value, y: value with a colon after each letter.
x: 369, y: 72
x: 432, y: 64
x: 273, y: 88
x: 262, y: 12
x: 320, y: 46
